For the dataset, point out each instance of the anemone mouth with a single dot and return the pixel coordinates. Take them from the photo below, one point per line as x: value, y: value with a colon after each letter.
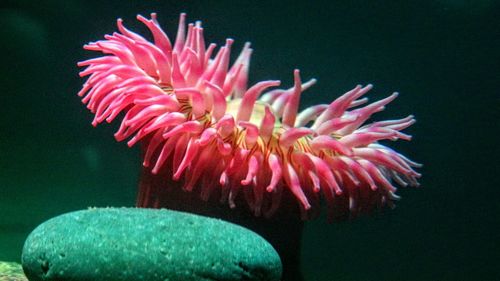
x: 190, y: 107
x: 257, y: 114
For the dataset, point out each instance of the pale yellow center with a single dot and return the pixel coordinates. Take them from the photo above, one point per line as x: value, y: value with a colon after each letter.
x: 258, y: 112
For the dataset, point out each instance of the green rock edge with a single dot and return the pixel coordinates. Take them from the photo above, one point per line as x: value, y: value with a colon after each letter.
x: 11, y: 271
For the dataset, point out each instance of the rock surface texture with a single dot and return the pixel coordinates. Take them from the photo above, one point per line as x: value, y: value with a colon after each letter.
x: 146, y: 244
x: 11, y: 271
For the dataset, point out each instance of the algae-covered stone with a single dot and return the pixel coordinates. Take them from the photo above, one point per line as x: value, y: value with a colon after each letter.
x: 11, y: 271
x: 146, y: 244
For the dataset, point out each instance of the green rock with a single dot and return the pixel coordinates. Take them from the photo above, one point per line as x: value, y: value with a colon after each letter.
x: 146, y: 244
x: 11, y: 271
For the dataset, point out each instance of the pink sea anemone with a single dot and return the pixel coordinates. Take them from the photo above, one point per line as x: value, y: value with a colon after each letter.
x: 195, y: 115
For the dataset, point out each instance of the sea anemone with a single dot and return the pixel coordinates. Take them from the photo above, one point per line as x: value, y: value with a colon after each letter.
x: 195, y: 115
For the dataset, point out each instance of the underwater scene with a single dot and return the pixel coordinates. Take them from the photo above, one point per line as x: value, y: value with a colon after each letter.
x: 249, y: 140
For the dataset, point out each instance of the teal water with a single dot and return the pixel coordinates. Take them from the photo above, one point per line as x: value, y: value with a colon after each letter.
x: 442, y: 56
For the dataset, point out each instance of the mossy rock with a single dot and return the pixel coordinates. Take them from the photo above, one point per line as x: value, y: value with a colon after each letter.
x: 11, y: 271
x: 128, y: 244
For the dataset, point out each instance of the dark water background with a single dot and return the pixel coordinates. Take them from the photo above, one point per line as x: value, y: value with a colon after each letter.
x: 442, y: 56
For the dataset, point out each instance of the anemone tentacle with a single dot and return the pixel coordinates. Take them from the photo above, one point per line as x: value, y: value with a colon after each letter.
x: 193, y: 106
